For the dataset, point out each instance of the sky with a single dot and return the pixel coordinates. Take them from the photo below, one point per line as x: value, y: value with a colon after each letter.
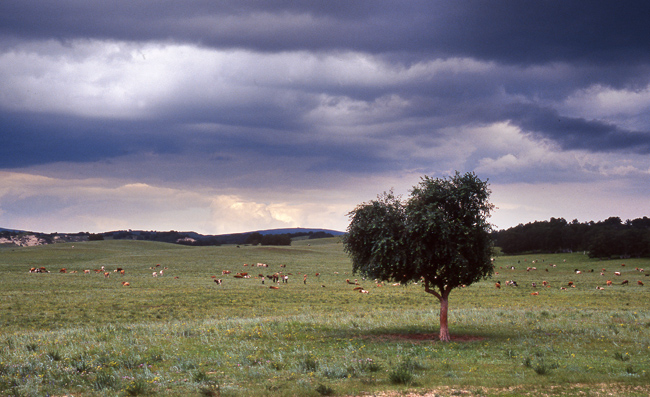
x: 232, y: 116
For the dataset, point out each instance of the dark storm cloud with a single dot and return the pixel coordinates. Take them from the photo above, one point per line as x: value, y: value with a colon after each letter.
x: 48, y: 138
x: 599, y: 43
x: 578, y: 133
x: 512, y: 31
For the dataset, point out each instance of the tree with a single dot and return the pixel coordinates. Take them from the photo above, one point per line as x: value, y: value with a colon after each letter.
x: 440, y: 236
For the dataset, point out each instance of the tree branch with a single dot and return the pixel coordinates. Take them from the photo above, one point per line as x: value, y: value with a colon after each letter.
x: 431, y: 291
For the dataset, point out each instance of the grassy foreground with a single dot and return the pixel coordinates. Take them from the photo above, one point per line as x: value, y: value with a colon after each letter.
x: 181, y: 334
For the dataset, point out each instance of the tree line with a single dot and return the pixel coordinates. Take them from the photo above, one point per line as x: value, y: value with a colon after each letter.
x: 604, y: 239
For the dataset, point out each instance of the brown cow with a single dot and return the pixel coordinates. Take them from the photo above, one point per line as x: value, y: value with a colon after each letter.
x: 609, y: 283
x: 640, y: 283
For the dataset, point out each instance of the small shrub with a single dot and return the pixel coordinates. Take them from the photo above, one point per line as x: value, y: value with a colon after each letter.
x: 622, y: 357
x: 369, y: 365
x: 324, y: 390
x: 199, y: 376
x: 401, y: 376
x: 308, y: 364
x: 54, y: 355
x: 80, y: 364
x: 31, y: 347
x: 334, y: 371
x: 540, y: 366
x: 277, y: 365
x: 104, y: 380
x: 410, y: 363
x: 542, y: 369
x: 137, y: 387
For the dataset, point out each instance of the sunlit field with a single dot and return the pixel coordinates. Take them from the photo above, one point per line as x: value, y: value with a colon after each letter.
x: 182, y: 334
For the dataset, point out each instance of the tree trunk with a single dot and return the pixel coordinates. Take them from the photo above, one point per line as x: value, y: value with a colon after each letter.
x: 444, y: 306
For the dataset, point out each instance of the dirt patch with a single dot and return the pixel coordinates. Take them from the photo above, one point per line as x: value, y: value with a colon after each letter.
x: 596, y: 390
x: 418, y: 338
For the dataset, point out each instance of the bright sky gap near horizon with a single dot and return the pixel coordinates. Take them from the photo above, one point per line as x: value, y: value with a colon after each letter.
x: 231, y: 116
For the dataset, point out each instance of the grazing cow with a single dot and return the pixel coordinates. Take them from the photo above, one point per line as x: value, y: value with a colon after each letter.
x: 570, y: 284
x: 609, y: 283
x: 118, y: 270
x: 224, y: 272
x: 218, y: 281
x: 497, y: 285
x: 154, y: 274
x: 617, y: 273
x: 122, y: 272
x: 87, y: 271
x: 125, y: 283
x: 363, y: 291
x: 598, y: 287
x: 63, y: 270
x: 534, y: 293
x: 625, y: 282
x: 107, y: 274
x: 640, y: 283
x: 274, y: 287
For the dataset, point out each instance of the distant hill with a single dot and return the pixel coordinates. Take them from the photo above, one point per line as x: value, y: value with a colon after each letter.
x: 2, y: 229
x: 264, y: 237
x: 299, y: 230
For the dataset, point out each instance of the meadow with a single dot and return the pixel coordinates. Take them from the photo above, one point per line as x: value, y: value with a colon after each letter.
x: 182, y: 334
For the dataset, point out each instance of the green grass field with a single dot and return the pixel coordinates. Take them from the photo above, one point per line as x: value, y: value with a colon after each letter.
x: 181, y: 334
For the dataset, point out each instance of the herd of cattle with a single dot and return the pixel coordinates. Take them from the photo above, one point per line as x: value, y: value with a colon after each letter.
x: 276, y: 279
x: 570, y: 284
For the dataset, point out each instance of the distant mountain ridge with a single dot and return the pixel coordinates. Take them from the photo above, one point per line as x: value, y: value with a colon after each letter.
x: 268, y: 237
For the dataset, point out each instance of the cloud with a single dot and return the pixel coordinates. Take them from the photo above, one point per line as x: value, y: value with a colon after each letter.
x: 225, y: 116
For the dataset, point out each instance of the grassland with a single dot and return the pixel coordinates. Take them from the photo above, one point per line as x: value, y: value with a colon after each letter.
x: 181, y: 334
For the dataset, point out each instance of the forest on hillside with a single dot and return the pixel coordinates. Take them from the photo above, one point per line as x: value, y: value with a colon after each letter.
x: 611, y: 238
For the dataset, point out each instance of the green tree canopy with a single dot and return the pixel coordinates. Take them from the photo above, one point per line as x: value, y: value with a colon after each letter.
x: 440, y: 236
